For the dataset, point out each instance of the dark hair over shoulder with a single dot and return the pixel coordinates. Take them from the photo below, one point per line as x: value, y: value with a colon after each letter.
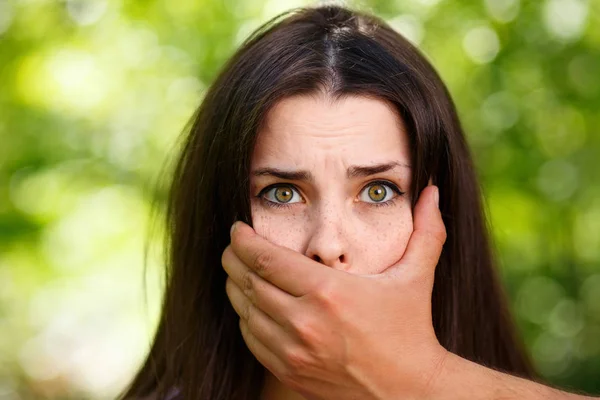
x: 198, y: 346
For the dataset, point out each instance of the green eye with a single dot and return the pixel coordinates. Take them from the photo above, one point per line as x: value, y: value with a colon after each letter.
x: 279, y: 195
x: 283, y: 194
x: 379, y: 192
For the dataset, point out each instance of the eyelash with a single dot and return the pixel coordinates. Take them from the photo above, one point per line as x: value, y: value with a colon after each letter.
x: 388, y: 203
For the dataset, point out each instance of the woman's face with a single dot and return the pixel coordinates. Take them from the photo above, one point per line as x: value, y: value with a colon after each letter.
x: 328, y: 180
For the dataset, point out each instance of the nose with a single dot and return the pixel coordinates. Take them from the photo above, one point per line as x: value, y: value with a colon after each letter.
x: 328, y: 244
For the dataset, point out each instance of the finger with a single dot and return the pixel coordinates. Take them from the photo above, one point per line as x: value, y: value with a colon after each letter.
x: 427, y: 239
x: 274, y: 302
x: 287, y: 269
x: 261, y: 325
x: 265, y: 356
x: 264, y: 328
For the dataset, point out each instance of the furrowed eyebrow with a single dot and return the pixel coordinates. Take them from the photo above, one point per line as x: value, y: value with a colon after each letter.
x: 359, y: 171
x: 355, y: 171
x: 289, y: 175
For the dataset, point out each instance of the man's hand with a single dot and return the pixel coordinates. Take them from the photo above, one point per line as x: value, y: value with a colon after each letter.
x: 329, y: 334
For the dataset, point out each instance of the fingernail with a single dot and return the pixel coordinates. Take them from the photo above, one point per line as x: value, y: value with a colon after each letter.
x: 436, y: 197
x: 232, y: 228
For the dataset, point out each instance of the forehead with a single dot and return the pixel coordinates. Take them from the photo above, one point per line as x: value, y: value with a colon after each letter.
x: 358, y: 128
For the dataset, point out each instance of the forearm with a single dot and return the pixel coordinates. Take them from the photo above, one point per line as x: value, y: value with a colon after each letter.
x: 459, y: 378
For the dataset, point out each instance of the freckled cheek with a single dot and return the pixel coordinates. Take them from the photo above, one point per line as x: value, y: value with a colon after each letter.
x: 382, y: 243
x: 376, y: 240
x: 284, y: 229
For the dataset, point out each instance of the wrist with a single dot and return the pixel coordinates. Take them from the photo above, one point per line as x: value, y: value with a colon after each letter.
x: 432, y: 382
x: 458, y: 378
x: 415, y: 380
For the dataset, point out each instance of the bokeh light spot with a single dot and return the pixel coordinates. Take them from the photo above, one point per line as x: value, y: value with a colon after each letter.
x: 86, y: 12
x: 500, y: 111
x: 537, y: 297
x: 558, y: 179
x: 503, y: 10
x: 409, y: 26
x: 552, y: 354
x: 590, y: 295
x: 6, y: 15
x: 566, y: 19
x: 566, y: 318
x: 481, y: 44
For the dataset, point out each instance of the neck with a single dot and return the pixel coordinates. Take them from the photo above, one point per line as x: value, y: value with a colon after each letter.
x: 273, y: 389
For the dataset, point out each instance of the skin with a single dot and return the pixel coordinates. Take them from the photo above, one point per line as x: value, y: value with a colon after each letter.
x: 332, y: 218
x: 326, y: 333
x: 314, y: 309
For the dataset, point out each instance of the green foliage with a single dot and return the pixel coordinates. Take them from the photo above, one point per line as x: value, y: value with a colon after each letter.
x: 93, y: 95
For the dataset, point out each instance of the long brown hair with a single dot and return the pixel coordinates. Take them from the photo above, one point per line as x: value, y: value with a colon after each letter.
x: 198, y: 347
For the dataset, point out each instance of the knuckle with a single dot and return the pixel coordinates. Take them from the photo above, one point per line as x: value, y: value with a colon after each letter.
x: 248, y: 282
x: 327, y: 295
x: 436, y: 234
x: 305, y: 330
x: 296, y: 361
x: 441, y: 233
x: 263, y: 261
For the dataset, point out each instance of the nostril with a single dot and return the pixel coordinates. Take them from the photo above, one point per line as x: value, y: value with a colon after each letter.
x: 342, y: 258
x: 317, y: 258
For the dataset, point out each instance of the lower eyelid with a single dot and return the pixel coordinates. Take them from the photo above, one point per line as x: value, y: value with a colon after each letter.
x: 388, y: 203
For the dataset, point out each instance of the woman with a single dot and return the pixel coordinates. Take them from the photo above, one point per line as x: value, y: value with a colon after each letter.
x: 347, y: 75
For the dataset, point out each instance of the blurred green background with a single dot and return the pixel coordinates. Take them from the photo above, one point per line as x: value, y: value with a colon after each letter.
x: 94, y: 93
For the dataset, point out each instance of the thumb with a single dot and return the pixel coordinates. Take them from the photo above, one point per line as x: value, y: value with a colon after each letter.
x: 427, y: 239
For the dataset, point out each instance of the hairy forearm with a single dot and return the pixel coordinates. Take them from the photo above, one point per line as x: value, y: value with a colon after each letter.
x: 458, y: 379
